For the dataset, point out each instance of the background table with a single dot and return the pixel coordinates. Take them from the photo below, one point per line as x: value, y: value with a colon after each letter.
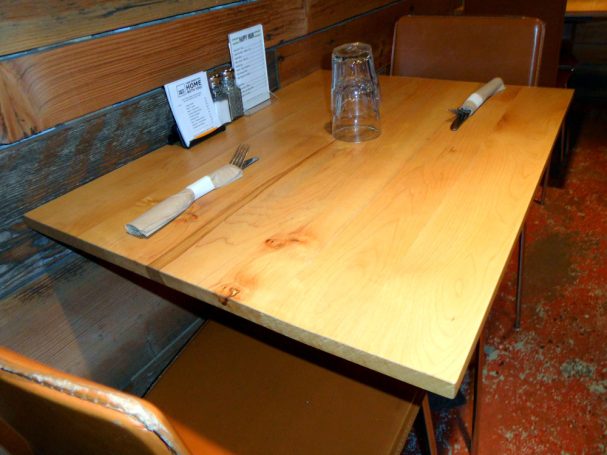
x: 588, y: 8
x: 387, y: 253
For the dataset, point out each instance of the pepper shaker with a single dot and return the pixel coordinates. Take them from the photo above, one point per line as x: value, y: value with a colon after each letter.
x: 233, y: 92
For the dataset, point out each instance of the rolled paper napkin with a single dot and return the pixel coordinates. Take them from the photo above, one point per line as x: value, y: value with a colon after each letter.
x: 476, y: 100
x: 169, y: 209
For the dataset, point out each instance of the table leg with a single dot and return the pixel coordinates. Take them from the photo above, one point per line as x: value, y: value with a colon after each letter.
x: 519, y: 277
x: 477, y: 392
x: 544, y: 186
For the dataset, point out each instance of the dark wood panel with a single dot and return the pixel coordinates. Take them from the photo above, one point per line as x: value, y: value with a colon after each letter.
x: 93, y: 322
x: 41, y: 90
x: 591, y: 53
x: 322, y: 13
x: 41, y: 168
x: 594, y: 32
x: 34, y: 23
x: 590, y: 42
x: 433, y: 7
x: 301, y: 57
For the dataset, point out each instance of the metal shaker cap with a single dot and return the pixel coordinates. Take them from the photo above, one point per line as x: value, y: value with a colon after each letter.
x: 215, y: 79
x: 228, y: 73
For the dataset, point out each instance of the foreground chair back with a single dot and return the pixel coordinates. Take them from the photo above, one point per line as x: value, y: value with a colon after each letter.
x: 46, y: 411
x: 227, y: 392
x: 468, y: 48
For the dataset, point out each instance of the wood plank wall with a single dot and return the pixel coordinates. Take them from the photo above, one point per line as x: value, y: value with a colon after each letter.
x: 79, y: 96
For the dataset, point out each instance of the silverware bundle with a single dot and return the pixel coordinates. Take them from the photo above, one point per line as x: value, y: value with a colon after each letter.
x: 474, y: 101
x: 169, y: 209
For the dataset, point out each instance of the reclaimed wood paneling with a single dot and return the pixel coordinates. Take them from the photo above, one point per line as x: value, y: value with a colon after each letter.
x: 93, y: 322
x: 42, y: 168
x: 41, y: 90
x: 306, y: 55
x: 35, y: 23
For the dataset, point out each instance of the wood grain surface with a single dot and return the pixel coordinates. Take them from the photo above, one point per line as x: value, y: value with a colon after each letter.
x: 386, y: 253
x: 35, y: 23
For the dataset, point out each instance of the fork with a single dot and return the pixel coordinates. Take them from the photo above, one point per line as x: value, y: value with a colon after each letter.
x: 240, y: 155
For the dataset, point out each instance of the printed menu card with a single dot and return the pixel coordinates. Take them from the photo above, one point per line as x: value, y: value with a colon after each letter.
x: 248, y: 54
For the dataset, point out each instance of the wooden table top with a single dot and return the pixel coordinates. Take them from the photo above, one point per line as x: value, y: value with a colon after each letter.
x: 387, y: 253
x: 586, y: 8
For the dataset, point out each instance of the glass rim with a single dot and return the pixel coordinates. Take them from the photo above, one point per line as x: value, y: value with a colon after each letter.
x: 355, y: 50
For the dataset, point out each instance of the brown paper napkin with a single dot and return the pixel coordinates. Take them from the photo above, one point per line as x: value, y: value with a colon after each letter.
x: 169, y: 209
x: 476, y: 100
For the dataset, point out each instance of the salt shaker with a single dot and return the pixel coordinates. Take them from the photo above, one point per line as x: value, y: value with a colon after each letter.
x: 233, y: 92
x: 220, y: 98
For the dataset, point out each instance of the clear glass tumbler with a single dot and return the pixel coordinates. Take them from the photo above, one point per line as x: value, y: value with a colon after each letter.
x: 355, y: 94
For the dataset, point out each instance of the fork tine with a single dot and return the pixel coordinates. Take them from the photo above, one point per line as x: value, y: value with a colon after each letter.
x: 245, y: 150
x: 236, y: 155
x: 239, y: 155
x: 233, y: 160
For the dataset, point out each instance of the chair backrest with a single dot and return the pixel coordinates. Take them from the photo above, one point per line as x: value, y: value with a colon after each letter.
x: 551, y: 12
x: 57, y: 413
x: 468, y: 48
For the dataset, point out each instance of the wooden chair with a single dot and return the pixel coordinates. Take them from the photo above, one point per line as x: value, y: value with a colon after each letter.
x: 468, y: 48
x: 227, y: 392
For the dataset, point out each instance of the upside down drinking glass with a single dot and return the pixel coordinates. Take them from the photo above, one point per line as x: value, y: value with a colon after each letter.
x: 354, y: 93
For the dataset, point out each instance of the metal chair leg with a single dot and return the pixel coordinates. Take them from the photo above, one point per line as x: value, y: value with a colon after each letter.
x: 477, y: 392
x: 563, y: 141
x: 519, y: 277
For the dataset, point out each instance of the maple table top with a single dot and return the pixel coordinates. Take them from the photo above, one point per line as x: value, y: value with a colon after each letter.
x: 387, y: 253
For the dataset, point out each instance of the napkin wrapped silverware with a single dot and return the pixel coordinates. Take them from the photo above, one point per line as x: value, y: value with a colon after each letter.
x: 169, y: 209
x: 474, y: 101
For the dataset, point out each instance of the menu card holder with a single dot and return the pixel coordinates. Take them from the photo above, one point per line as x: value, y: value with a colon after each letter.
x: 193, y: 109
x: 177, y: 137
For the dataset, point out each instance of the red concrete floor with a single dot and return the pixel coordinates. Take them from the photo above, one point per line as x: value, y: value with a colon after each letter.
x: 545, y: 386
